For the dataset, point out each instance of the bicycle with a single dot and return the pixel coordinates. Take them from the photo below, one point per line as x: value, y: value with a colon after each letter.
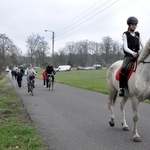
x: 50, y: 83
x: 31, y: 84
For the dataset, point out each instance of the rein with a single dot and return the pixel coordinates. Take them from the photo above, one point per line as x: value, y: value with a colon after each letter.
x: 145, y: 62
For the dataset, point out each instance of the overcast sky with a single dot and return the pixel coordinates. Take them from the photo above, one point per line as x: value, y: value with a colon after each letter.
x: 71, y: 20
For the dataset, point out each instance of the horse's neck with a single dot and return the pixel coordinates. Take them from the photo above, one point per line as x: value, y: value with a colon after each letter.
x: 143, y: 69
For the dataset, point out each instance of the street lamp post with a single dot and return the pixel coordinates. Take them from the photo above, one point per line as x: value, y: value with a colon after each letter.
x: 52, y: 44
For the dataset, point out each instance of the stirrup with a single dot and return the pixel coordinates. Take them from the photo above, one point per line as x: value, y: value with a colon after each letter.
x: 121, y: 92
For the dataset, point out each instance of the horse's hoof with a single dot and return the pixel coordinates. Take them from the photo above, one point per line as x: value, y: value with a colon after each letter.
x: 137, y: 139
x: 126, y: 129
x: 112, y: 124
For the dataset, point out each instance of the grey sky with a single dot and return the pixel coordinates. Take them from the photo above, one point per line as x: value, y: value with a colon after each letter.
x: 71, y: 20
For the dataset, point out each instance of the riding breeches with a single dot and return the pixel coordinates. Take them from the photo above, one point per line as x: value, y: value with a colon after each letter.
x: 125, y: 64
x: 123, y: 70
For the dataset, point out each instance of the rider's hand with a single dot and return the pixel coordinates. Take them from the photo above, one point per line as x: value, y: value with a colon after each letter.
x: 135, y: 54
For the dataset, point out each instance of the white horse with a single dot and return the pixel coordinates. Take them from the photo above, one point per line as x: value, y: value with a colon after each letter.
x: 138, y: 89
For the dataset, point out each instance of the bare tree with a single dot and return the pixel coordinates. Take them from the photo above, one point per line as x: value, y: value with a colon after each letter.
x: 70, y: 50
x: 86, y: 52
x: 117, y: 51
x: 95, y: 51
x: 7, y: 49
x: 14, y: 55
x: 107, y: 47
x: 62, y: 56
x: 82, y: 49
x: 32, y: 45
x: 4, y: 45
x: 40, y: 53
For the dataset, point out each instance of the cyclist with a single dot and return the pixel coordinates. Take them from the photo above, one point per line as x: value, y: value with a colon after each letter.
x: 50, y: 70
x: 30, y: 72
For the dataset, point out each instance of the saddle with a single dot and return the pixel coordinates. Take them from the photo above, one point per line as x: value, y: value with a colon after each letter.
x: 130, y: 69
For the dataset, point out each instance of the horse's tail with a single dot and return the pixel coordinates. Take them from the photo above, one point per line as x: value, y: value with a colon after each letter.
x: 112, y: 98
x: 112, y: 90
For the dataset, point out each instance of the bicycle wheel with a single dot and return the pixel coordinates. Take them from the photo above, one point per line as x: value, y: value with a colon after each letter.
x: 31, y: 89
x: 52, y: 86
x: 49, y: 83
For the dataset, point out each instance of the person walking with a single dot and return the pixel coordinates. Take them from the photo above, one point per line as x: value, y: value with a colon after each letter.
x: 13, y: 74
x: 19, y: 76
x: 44, y: 77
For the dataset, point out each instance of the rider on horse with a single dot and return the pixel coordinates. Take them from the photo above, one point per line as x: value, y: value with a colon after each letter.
x: 131, y: 47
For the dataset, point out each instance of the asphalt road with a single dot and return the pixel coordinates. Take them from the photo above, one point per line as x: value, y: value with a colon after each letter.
x: 70, y: 118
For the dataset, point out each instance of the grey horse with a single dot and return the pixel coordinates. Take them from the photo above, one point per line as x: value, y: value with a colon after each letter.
x: 138, y: 89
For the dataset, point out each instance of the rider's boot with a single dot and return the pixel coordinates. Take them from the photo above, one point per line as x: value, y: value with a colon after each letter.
x: 121, y: 84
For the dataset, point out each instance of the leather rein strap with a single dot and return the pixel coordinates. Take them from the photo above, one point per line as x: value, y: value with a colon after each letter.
x: 145, y: 62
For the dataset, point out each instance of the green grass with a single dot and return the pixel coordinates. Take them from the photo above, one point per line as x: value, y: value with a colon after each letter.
x: 16, y: 130
x: 94, y: 80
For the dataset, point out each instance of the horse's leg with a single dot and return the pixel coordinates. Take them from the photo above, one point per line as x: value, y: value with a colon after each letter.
x: 122, y: 107
x: 136, y: 137
x: 111, y: 103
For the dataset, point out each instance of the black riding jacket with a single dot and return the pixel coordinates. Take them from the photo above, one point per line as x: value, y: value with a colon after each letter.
x: 133, y: 42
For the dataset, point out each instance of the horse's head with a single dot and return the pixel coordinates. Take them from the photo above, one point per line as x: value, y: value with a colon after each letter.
x: 145, y: 52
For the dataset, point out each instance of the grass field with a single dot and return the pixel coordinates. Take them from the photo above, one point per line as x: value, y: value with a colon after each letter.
x: 16, y: 130
x: 94, y: 80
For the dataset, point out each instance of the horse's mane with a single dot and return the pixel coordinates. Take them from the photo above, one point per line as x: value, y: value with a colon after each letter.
x: 145, y: 52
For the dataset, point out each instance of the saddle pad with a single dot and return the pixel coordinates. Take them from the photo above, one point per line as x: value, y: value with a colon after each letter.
x: 129, y: 72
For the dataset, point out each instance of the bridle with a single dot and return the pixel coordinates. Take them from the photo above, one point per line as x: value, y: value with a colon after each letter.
x: 145, y: 62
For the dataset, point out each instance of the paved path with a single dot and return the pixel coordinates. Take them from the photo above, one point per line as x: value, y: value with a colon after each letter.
x: 69, y: 118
